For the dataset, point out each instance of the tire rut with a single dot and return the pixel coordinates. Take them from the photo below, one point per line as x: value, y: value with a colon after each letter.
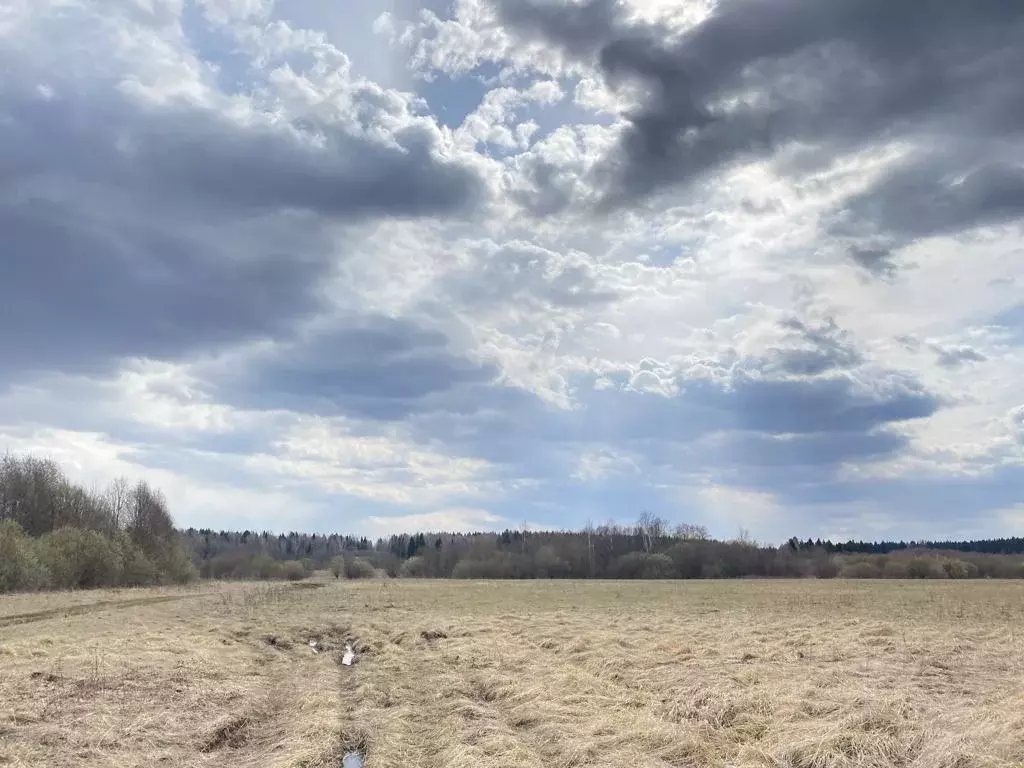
x: 77, y: 610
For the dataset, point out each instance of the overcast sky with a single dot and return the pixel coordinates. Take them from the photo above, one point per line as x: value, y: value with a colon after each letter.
x: 383, y: 265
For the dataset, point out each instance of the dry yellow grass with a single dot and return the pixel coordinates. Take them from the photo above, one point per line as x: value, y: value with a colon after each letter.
x: 531, y: 674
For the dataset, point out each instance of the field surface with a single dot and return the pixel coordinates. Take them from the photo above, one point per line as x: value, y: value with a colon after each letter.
x: 529, y: 674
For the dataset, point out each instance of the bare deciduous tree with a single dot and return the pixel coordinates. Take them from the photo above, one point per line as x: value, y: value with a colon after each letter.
x: 691, y: 532
x: 148, y: 523
x: 650, y: 528
x: 589, y: 530
x: 118, y: 496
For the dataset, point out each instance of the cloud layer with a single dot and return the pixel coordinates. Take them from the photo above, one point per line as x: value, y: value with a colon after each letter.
x: 747, y: 264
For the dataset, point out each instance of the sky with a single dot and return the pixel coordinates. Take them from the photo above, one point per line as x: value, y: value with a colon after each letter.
x: 376, y: 266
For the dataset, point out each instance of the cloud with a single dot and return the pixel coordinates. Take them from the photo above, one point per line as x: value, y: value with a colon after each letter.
x: 458, y: 520
x: 341, y: 456
x: 954, y: 357
x: 746, y: 419
x: 1016, y: 418
x: 93, y: 460
x: 577, y: 26
x: 802, y: 450
x: 518, y: 272
x: 876, y: 261
x: 130, y: 290
x: 1011, y: 322
x: 159, y: 220
x: 761, y: 269
x: 237, y: 160
x: 371, y: 367
x: 754, y: 76
x: 939, y: 193
x: 818, y: 349
x: 490, y: 122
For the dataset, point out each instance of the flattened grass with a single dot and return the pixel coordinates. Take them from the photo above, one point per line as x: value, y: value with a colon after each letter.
x: 796, y: 674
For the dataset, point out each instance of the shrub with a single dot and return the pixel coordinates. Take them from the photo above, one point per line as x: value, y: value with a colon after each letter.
x: 413, y: 568
x: 20, y: 568
x: 77, y: 558
x: 292, y: 570
x: 501, y: 565
x: 261, y: 567
x: 137, y: 570
x: 895, y: 568
x: 689, y: 558
x: 822, y: 565
x: 478, y: 569
x: 176, y: 567
x: 860, y: 569
x: 359, y: 568
x: 711, y: 570
x: 338, y: 566
x: 958, y: 569
x: 547, y: 564
x: 924, y: 568
x: 386, y: 562
x: 643, y: 565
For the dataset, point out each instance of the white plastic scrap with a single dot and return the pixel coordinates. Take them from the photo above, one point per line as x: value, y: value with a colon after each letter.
x: 352, y: 760
x: 348, y: 657
x: 312, y: 644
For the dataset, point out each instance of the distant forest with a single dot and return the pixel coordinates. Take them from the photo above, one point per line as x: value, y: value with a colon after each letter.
x: 1010, y: 546
x: 647, y: 549
x: 57, y: 534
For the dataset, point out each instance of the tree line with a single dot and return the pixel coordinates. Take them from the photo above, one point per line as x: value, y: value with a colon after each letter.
x: 648, y: 549
x: 1006, y: 546
x: 56, y: 534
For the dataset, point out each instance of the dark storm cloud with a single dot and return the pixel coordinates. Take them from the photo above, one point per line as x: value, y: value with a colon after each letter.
x: 579, y: 27
x: 374, y: 367
x: 748, y: 450
x: 811, y: 422
x: 960, y: 497
x: 833, y: 405
x: 198, y: 154
x: 936, y: 195
x: 837, y: 74
x: 80, y: 285
x: 827, y: 404
x: 133, y: 230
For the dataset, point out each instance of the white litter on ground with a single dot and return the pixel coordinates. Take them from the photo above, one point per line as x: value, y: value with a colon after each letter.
x: 312, y: 644
x: 352, y: 760
x: 348, y: 658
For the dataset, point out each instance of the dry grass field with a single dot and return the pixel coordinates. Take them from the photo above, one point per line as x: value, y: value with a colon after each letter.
x: 530, y: 674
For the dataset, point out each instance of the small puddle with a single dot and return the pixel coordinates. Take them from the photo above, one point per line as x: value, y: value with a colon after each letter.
x: 352, y: 760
